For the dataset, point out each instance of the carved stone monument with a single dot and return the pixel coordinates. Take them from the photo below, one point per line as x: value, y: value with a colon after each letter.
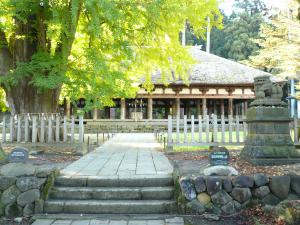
x: 268, y: 140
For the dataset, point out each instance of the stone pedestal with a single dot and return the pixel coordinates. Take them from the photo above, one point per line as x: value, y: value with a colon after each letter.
x: 268, y: 141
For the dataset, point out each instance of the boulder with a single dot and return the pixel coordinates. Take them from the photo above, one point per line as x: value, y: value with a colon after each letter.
x: 28, y: 210
x: 241, y: 194
x: 212, y: 208
x: 13, y: 210
x: 28, y: 197
x: 195, y: 207
x: 229, y: 208
x: 6, y: 182
x: 199, y: 183
x: 295, y: 184
x: 17, y: 170
x: 213, y: 184
x: 260, y: 179
x: 227, y: 185
x: 243, y: 182
x: 260, y: 192
x: 270, y: 199
x: 187, y: 188
x: 220, y: 171
x: 237, y: 205
x: 221, y: 198
x: 2, y: 208
x: 204, y: 198
x: 292, y: 196
x: 39, y: 206
x: 27, y: 183
x: 280, y: 186
x: 10, y: 195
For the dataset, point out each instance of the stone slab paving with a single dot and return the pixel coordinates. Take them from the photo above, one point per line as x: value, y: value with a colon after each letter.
x: 124, y: 155
x: 170, y: 221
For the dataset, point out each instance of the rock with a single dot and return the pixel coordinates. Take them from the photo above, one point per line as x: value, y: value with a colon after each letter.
x: 295, y: 184
x: 18, y: 219
x: 213, y: 184
x: 28, y: 210
x: 211, y: 217
x: 261, y: 192
x: 195, y: 207
x: 43, y: 172
x: 204, y: 198
x: 220, y: 171
x: 227, y: 185
x: 13, y: 210
x: 243, y: 182
x: 2, y: 208
x: 280, y: 186
x: 28, y: 197
x: 288, y: 211
x: 292, y: 196
x: 241, y: 194
x: 229, y: 208
x: 211, y: 208
x: 17, y: 170
x: 27, y: 183
x: 270, y: 199
x: 260, y: 179
x: 6, y: 182
x: 221, y: 198
x: 10, y: 195
x: 237, y: 205
x: 187, y: 188
x: 199, y: 184
x: 39, y: 206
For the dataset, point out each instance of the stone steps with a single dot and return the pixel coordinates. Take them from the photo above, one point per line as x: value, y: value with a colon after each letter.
x: 112, y: 193
x: 109, y: 206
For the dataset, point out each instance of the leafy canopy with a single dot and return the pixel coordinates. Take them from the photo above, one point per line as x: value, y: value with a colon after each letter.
x: 99, y: 50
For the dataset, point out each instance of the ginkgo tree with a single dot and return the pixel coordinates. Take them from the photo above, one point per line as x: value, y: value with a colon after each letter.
x: 96, y: 49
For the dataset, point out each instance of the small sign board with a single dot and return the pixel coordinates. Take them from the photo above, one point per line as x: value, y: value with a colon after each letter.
x: 18, y: 154
x: 219, y: 157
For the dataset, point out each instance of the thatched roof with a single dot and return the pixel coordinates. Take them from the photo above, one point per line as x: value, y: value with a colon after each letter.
x: 212, y: 69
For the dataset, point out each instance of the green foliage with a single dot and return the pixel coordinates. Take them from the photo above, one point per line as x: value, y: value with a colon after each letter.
x: 3, y: 105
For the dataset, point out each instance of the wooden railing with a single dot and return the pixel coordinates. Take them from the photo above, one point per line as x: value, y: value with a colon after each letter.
x: 212, y: 131
x: 41, y: 128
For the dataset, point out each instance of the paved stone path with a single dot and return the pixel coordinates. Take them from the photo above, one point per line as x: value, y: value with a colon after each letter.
x: 132, y: 154
x: 172, y: 221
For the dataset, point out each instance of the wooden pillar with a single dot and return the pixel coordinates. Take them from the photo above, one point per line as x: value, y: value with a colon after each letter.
x: 95, y: 114
x: 198, y: 106
x: 174, y: 108
x: 68, y: 108
x: 246, y: 106
x: 150, y: 108
x: 123, y: 109
x: 188, y: 109
x: 222, y: 107
x: 215, y: 107
x: 204, y: 107
x: 177, y: 106
x: 230, y: 106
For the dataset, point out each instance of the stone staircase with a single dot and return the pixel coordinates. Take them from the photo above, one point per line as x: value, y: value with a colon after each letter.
x: 104, y: 195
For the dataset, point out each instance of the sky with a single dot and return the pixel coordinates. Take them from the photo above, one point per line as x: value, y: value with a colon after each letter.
x: 227, y: 4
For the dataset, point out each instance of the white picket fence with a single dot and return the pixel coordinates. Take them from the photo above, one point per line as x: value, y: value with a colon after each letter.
x: 212, y: 131
x: 41, y: 128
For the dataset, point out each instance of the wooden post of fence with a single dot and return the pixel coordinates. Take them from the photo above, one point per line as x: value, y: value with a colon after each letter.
x: 81, y: 131
x: 26, y: 135
x: 237, y: 124
x: 57, y: 125
x: 65, y: 129
x: 11, y: 128
x: 200, y: 127
x: 230, y: 128
x: 34, y: 129
x: 193, y: 127
x: 223, y: 128
x: 42, y: 119
x: 185, y: 128
x: 177, y: 128
x: 19, y: 128
x: 207, y: 128
x: 170, y: 129
x: 215, y: 135
x: 296, y: 139
x: 49, y: 128
x: 4, y: 130
x: 72, y: 128
x: 244, y: 130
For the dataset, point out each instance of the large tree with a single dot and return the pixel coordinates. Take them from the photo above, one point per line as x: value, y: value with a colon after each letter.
x: 91, y: 48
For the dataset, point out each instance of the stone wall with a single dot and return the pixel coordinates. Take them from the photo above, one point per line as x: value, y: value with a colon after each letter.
x: 225, y: 195
x: 23, y: 189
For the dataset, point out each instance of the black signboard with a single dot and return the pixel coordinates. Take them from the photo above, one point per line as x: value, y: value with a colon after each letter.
x: 219, y: 157
x: 18, y: 154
